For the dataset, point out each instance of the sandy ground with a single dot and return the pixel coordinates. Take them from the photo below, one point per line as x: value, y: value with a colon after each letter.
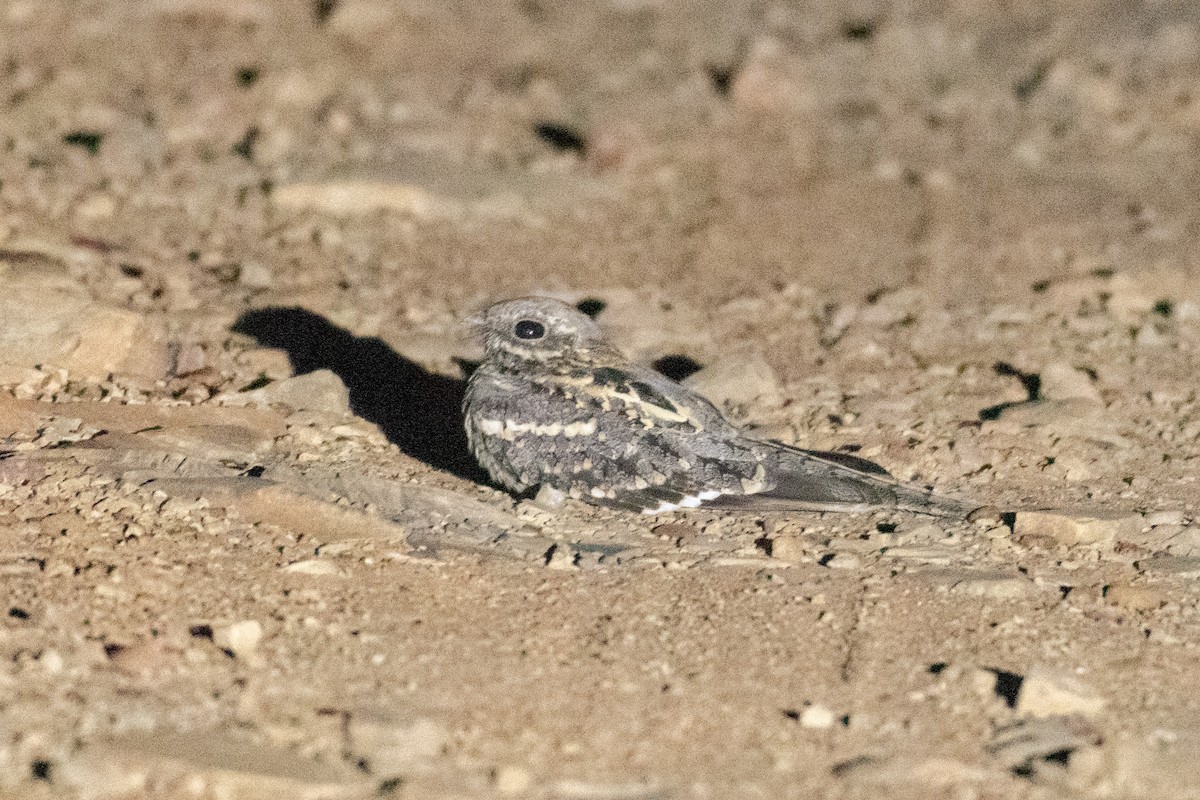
x: 246, y: 554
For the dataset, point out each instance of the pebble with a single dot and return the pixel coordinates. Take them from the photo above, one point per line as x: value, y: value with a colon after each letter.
x: 320, y: 390
x: 1000, y: 587
x: 1049, y: 692
x: 512, y: 780
x: 1134, y: 597
x: 844, y: 561
x: 1061, y: 381
x: 209, y: 763
x: 817, y: 717
x: 738, y: 381
x: 790, y: 549
x: 1156, y: 518
x: 314, y: 566
x: 1075, y: 527
x: 353, y: 198
x: 240, y: 637
x: 394, y: 744
x: 1182, y: 566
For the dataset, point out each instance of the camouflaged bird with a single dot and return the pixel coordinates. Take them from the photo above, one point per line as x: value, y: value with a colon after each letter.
x: 554, y: 404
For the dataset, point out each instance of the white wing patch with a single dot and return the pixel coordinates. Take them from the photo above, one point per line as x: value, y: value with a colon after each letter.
x: 509, y: 429
x: 688, y: 501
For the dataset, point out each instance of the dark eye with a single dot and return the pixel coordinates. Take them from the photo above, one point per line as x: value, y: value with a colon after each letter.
x: 529, y: 329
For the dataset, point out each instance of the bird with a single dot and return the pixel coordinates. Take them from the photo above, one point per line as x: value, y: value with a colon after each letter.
x: 555, y: 406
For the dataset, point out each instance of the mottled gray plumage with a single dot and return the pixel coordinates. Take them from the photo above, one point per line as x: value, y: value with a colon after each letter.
x: 553, y: 403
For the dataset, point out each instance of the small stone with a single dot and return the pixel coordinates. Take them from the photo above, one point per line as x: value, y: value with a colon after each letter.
x: 817, y: 717
x: 314, y: 566
x: 1134, y: 597
x: 1157, y: 518
x: 210, y: 763
x: 844, y: 561
x: 96, y: 207
x: 1075, y: 527
x: 1047, y: 692
x: 512, y: 780
x: 393, y: 744
x: 350, y: 198
x: 985, y: 516
x: 240, y: 637
x: 737, y: 381
x: 789, y: 548
x: 549, y: 498
x: 1000, y: 587
x: 320, y: 390
x: 1061, y: 381
x: 1182, y: 566
x: 190, y: 359
x: 255, y: 275
x: 1184, y: 542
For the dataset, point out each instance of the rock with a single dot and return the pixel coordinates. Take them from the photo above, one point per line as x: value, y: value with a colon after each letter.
x: 394, y: 744
x: 650, y: 325
x: 1184, y: 542
x: 1075, y: 527
x: 1134, y: 597
x: 320, y: 390
x: 843, y: 561
x: 46, y: 319
x: 1182, y: 566
x: 817, y: 717
x: 763, y: 84
x: 1156, y: 518
x: 207, y: 764
x: 1018, y: 745
x: 1061, y: 381
x: 263, y: 502
x: 1047, y: 692
x: 998, y: 586
x: 314, y: 566
x: 353, y: 198
x: 1064, y: 414
x: 790, y: 549
x: 255, y: 275
x: 512, y: 780
x: 240, y: 637
x: 738, y: 381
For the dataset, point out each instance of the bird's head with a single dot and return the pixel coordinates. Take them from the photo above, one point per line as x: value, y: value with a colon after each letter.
x: 539, y: 330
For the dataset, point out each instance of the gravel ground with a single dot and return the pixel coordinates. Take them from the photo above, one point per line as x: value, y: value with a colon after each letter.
x: 246, y: 554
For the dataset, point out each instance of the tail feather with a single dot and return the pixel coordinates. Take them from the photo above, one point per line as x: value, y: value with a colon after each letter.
x: 805, y: 480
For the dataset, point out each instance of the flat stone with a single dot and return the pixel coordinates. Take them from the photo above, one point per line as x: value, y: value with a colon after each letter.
x: 49, y: 319
x: 393, y: 744
x: 998, y: 586
x: 1062, y: 381
x: 1182, y: 566
x: 320, y: 390
x: 208, y: 764
x: 817, y: 717
x: 1135, y: 597
x: 240, y: 637
x: 1049, y: 692
x: 1075, y: 527
x: 737, y: 381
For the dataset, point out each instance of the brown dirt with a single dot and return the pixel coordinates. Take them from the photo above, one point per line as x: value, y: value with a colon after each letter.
x: 245, y: 553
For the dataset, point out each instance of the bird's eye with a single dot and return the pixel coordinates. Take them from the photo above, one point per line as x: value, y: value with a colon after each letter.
x: 529, y: 329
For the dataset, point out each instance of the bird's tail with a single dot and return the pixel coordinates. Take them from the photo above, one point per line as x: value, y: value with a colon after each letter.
x: 807, y: 480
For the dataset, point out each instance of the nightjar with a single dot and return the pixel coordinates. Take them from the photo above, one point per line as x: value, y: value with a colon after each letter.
x: 554, y: 404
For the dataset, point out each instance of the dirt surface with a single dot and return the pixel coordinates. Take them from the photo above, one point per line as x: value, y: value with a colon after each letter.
x: 245, y: 552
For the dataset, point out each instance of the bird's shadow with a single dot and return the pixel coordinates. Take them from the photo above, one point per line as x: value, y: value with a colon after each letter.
x: 419, y: 411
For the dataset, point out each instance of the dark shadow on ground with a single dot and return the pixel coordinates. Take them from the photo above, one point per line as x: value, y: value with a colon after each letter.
x: 417, y: 410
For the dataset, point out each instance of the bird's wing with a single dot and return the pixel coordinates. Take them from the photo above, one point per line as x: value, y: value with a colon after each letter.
x: 807, y: 480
